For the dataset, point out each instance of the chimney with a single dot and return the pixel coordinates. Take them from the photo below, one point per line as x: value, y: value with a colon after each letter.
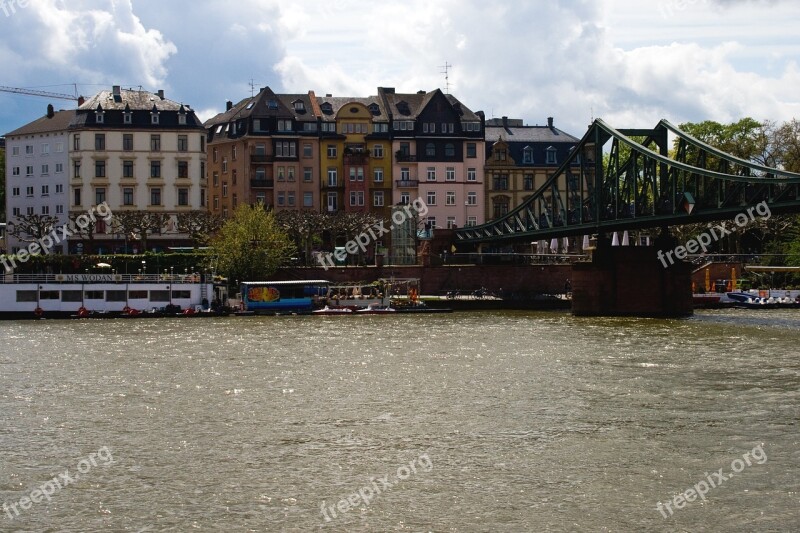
x: 161, y: 93
x: 505, y: 122
x: 51, y: 112
x: 81, y: 100
x: 421, y: 91
x: 388, y: 90
x: 329, y: 95
x: 228, y: 105
x: 550, y: 122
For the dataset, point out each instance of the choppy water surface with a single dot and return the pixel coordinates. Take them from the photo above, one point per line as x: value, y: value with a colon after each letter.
x: 475, y: 422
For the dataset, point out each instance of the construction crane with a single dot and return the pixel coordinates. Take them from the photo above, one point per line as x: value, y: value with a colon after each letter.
x: 34, y: 92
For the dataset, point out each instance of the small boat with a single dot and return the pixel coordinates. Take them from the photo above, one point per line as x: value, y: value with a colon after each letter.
x: 376, y: 309
x: 332, y: 311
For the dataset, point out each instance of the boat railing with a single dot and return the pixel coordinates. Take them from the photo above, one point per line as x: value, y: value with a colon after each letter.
x: 100, y: 278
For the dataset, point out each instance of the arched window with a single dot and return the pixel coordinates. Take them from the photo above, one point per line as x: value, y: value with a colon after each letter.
x: 527, y: 155
x: 430, y: 150
x: 450, y: 150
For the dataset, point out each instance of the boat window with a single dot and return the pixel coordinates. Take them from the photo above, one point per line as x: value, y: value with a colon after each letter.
x: 137, y: 295
x: 49, y: 295
x: 159, y: 296
x: 182, y: 294
x: 27, y: 296
x: 95, y: 295
x: 116, y: 296
x: 71, y: 296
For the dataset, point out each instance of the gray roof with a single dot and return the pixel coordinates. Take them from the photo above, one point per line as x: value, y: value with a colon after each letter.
x: 529, y: 134
x: 135, y: 99
x: 337, y: 102
x: 60, y: 122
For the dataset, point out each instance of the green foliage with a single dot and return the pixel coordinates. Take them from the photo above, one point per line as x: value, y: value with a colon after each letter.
x: 251, y: 246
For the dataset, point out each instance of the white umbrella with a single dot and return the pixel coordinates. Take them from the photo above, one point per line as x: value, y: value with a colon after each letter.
x: 103, y: 265
x: 615, y: 239
x: 625, y: 240
x: 585, y: 242
x: 566, y: 244
x: 554, y: 245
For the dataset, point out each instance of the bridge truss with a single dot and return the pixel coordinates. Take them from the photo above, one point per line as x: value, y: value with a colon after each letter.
x: 639, y: 185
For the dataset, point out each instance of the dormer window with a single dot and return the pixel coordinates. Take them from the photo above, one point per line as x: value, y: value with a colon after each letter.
x: 154, y: 115
x: 326, y: 108
x: 527, y: 155
x: 272, y: 104
x: 182, y: 119
x: 374, y: 109
x: 99, y: 115
x: 127, y: 117
x: 551, y: 155
x: 299, y: 106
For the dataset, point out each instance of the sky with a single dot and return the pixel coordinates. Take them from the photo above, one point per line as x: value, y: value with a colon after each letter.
x: 628, y: 62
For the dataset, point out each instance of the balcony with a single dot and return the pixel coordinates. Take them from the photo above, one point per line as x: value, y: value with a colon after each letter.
x: 402, y: 157
x: 407, y: 183
x: 262, y: 184
x: 261, y: 158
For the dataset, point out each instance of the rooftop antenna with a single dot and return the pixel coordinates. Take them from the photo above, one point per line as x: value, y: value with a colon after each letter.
x: 252, y: 85
x: 446, y: 71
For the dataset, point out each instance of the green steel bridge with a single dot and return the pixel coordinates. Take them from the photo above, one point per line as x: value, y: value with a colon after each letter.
x: 639, y: 185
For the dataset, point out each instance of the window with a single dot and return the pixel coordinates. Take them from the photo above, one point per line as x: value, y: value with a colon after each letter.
x: 15, y: 171
x: 431, y: 198
x: 202, y: 170
x: 28, y: 149
x: 155, y: 143
x: 352, y: 173
x: 431, y: 174
x: 183, y: 143
x: 261, y: 198
x: 286, y: 149
x: 450, y: 174
x: 224, y: 165
x: 45, y: 170
x: 128, y: 118
x: 29, y: 192
x: 59, y: 209
x: 331, y: 151
x: 281, y: 173
x: 430, y: 150
x: 472, y: 150
x: 472, y: 174
x: 202, y: 143
x: 449, y: 150
x: 29, y: 210
x: 551, y: 156
x: 299, y: 106
x: 281, y: 198
x: 215, y: 179
x: 357, y: 198
x: 450, y: 198
x: 127, y: 142
x: 183, y: 196
x: 527, y: 182
x: 289, y: 173
x: 500, y: 182
x: 377, y: 150
x: 527, y: 155
x: 45, y: 190
x: 15, y: 212
x: 308, y: 151
x: 377, y: 198
x: 500, y: 206
x: 290, y: 198
x: 15, y: 191
x: 183, y: 169
x: 59, y: 147
x: 182, y: 119
x: 380, y: 128
x: 29, y: 170
x: 59, y: 188
x: 99, y: 195
x: 405, y: 198
x: 472, y: 221
x: 332, y: 203
x: 155, y: 196
x: 284, y: 125
x: 332, y: 181
x: 405, y: 174
x: 308, y: 199
x: 127, y: 169
x: 308, y: 174
x: 430, y: 223
x: 155, y: 169
x: 451, y: 222
x: 216, y: 202
x: 377, y: 175
x: 76, y: 143
x: 99, y: 141
x: 59, y: 168
x: 202, y: 197
x: 99, y: 169
x: 45, y: 148
x: 224, y: 189
x: 127, y: 196
x: 234, y: 175
x: 154, y: 118
x: 215, y: 154
x: 472, y: 198
x: 499, y: 155
x: 76, y: 196
x: 15, y: 150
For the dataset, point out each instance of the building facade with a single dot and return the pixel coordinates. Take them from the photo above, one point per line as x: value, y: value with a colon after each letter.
x: 37, y: 173
x: 136, y: 151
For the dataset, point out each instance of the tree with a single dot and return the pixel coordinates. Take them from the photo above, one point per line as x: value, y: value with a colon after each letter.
x: 200, y: 225
x: 348, y: 225
x: 303, y: 227
x: 84, y: 228
x: 251, y: 245
x: 32, y: 228
x: 138, y: 224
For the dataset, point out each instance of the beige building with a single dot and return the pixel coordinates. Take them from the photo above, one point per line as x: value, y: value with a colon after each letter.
x: 136, y: 151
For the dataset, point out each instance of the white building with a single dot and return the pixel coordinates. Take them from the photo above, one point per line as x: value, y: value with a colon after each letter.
x: 136, y: 151
x: 37, y: 172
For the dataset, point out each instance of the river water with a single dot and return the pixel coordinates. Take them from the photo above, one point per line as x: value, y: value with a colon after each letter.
x: 492, y: 421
